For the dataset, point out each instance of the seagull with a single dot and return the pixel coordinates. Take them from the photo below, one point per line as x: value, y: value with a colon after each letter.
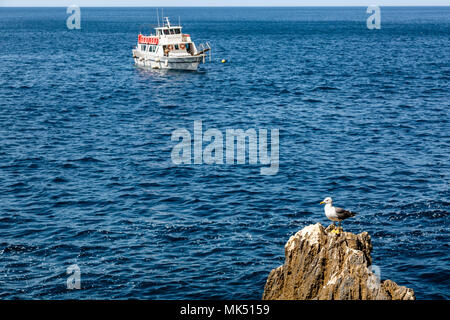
x: 335, y: 213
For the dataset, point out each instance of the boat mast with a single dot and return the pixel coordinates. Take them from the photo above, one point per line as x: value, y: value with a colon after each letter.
x: 167, y: 21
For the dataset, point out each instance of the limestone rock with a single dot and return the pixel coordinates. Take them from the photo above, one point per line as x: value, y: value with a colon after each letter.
x: 327, y: 266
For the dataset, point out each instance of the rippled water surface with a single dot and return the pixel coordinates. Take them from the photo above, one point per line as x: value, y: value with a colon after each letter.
x: 86, y: 175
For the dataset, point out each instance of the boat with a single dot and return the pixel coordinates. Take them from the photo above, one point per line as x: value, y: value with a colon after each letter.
x: 169, y: 48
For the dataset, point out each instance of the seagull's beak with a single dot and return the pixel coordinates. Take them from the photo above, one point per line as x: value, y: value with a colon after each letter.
x: 322, y: 202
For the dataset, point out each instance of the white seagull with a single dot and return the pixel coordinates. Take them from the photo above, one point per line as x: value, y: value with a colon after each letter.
x: 335, y: 213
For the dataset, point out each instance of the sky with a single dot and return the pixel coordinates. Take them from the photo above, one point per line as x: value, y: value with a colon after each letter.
x: 207, y: 3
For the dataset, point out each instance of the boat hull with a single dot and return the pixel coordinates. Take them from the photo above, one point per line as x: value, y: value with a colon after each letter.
x: 189, y: 63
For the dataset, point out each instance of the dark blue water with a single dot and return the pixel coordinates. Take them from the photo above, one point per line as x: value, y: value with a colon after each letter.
x: 86, y: 175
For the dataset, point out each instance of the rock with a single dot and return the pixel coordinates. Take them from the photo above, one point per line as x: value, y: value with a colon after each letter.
x: 327, y: 266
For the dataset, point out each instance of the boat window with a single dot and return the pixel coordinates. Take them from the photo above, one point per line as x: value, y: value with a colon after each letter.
x: 188, y: 46
x: 177, y: 31
x: 166, y: 32
x: 176, y: 47
x: 142, y: 47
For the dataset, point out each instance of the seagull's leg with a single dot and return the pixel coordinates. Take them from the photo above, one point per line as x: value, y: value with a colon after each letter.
x: 339, y: 227
x: 334, y: 228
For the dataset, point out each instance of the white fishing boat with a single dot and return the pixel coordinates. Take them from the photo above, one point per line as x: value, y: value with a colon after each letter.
x: 169, y: 48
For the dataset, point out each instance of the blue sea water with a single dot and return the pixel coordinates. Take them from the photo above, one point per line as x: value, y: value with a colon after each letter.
x: 86, y: 175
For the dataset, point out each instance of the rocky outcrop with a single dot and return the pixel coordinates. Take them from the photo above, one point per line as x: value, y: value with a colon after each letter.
x: 323, y: 265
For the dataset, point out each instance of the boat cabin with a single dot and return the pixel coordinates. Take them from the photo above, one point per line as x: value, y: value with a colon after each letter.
x: 168, y: 31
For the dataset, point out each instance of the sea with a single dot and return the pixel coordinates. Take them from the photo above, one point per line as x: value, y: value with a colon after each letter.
x: 88, y: 181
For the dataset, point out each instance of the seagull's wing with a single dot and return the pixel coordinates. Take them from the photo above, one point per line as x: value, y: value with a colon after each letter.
x: 343, y: 214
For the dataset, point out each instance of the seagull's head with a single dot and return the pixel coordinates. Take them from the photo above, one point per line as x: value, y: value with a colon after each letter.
x: 327, y: 200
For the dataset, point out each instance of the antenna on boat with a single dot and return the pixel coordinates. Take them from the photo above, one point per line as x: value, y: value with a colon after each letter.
x: 179, y: 21
x: 157, y: 15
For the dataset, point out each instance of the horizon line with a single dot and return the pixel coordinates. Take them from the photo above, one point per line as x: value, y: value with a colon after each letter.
x: 247, y: 6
